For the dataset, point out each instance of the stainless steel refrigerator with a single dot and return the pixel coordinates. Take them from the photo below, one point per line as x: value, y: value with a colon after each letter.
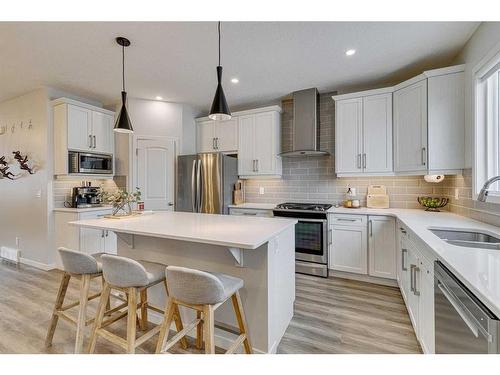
x: 205, y: 182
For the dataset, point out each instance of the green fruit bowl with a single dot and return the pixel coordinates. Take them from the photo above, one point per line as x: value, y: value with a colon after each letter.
x: 432, y: 203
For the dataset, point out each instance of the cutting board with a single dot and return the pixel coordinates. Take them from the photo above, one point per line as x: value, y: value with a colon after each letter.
x: 377, y: 197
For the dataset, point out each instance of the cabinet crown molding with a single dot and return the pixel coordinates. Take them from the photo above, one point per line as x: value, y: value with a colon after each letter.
x: 275, y: 108
x: 64, y: 100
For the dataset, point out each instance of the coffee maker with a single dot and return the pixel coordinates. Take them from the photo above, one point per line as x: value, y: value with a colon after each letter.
x: 86, y: 196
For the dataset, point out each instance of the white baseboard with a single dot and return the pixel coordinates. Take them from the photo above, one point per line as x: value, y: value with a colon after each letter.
x: 39, y: 265
x: 365, y: 278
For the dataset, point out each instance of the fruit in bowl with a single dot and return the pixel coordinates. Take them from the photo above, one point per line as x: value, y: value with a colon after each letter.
x: 432, y: 203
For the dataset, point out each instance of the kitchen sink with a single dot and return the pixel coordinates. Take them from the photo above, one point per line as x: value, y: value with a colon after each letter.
x: 468, y: 238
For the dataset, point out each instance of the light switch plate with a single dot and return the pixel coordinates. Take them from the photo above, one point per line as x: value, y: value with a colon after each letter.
x: 261, y: 190
x: 456, y: 193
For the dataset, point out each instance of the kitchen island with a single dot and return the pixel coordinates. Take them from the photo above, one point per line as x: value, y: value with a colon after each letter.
x: 261, y: 251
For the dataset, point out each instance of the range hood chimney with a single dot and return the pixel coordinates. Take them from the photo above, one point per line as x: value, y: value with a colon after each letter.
x: 305, y: 127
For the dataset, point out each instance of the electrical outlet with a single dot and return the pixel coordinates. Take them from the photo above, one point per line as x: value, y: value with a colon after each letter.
x: 261, y: 190
x: 456, y: 193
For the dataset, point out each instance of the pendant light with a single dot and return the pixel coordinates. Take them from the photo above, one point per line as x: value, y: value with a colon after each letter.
x: 220, y: 109
x: 123, y: 124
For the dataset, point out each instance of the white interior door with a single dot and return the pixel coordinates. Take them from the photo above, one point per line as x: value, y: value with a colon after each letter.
x: 155, y: 172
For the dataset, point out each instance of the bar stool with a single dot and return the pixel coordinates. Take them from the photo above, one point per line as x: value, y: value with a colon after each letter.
x: 131, y: 277
x: 85, y: 267
x: 203, y: 292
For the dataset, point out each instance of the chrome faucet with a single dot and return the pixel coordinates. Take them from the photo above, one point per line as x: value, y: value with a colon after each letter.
x: 483, y: 194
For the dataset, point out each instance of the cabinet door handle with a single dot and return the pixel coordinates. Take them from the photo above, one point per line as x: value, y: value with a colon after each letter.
x: 359, y: 161
x: 217, y: 143
x: 403, y: 259
x: 424, y: 155
x: 93, y: 137
x: 257, y: 165
x: 107, y: 233
x: 364, y: 160
x: 249, y: 214
x: 412, y: 285
x: 213, y: 143
x: 253, y: 165
x: 402, y: 230
x: 330, y: 240
x: 370, y: 227
x: 102, y: 234
x: 90, y: 141
x: 342, y: 219
x: 415, y: 290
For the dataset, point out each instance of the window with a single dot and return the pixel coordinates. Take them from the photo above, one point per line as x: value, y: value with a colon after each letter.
x: 487, y: 126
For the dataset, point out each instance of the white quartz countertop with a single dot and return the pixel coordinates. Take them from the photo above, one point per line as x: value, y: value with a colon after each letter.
x: 254, y: 206
x: 78, y: 210
x: 224, y: 230
x: 478, y: 269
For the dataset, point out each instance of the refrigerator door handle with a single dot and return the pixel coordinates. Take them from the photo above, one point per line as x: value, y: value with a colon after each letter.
x: 193, y: 187
x: 198, y: 187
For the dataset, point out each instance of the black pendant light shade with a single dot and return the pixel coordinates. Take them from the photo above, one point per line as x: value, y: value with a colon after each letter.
x: 123, y: 124
x: 220, y: 109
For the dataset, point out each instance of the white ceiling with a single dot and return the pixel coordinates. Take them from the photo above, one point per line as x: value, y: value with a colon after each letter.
x: 177, y: 60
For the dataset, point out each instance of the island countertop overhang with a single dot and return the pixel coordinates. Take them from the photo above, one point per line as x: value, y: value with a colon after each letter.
x: 223, y: 230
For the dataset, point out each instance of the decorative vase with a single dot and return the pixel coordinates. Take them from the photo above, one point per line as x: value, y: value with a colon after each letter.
x: 122, y: 209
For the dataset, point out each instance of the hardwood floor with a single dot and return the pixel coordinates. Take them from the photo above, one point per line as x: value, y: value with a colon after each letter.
x: 331, y: 316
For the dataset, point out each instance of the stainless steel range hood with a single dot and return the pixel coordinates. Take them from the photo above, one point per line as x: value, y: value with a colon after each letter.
x: 305, y: 127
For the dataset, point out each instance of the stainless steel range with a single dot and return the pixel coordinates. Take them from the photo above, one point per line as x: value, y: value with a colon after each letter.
x: 312, y: 236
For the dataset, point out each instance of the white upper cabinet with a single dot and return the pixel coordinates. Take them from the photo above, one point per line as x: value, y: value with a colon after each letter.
x: 377, y: 133
x: 260, y: 143
x: 226, y: 135
x: 429, y: 123
x: 410, y: 128
x: 254, y: 134
x: 348, y: 135
x: 102, y: 132
x: 214, y: 136
x: 416, y: 127
x: 80, y: 127
x: 363, y: 133
x: 446, y: 118
x: 205, y: 136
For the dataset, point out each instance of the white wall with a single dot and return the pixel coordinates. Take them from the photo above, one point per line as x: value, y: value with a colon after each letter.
x: 486, y: 37
x: 155, y: 118
x: 24, y: 203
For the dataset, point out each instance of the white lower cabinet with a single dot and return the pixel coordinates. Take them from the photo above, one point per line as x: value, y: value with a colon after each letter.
x: 86, y: 240
x: 363, y: 245
x: 382, y: 246
x: 348, y: 251
x: 416, y: 281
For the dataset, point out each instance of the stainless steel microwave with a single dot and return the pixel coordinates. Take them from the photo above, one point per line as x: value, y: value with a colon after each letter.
x: 89, y: 163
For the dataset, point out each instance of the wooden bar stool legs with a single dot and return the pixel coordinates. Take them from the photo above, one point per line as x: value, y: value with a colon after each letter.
x: 131, y: 342
x: 59, y: 311
x: 205, y: 326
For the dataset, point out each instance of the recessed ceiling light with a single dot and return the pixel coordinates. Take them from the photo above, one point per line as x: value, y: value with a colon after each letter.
x: 159, y: 98
x: 350, y: 52
x: 235, y: 80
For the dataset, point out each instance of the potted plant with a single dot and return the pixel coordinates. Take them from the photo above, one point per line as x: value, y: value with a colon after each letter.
x: 121, y: 200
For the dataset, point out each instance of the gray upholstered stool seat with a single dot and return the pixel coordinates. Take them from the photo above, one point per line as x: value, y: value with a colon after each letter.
x: 203, y: 292
x: 125, y: 272
x: 200, y: 287
x: 79, y: 263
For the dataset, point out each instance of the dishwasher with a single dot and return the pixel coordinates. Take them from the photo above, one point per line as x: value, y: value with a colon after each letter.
x: 463, y: 324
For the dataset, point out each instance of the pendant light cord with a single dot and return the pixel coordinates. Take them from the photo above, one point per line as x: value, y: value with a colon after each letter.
x: 123, y: 67
x: 219, y: 41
